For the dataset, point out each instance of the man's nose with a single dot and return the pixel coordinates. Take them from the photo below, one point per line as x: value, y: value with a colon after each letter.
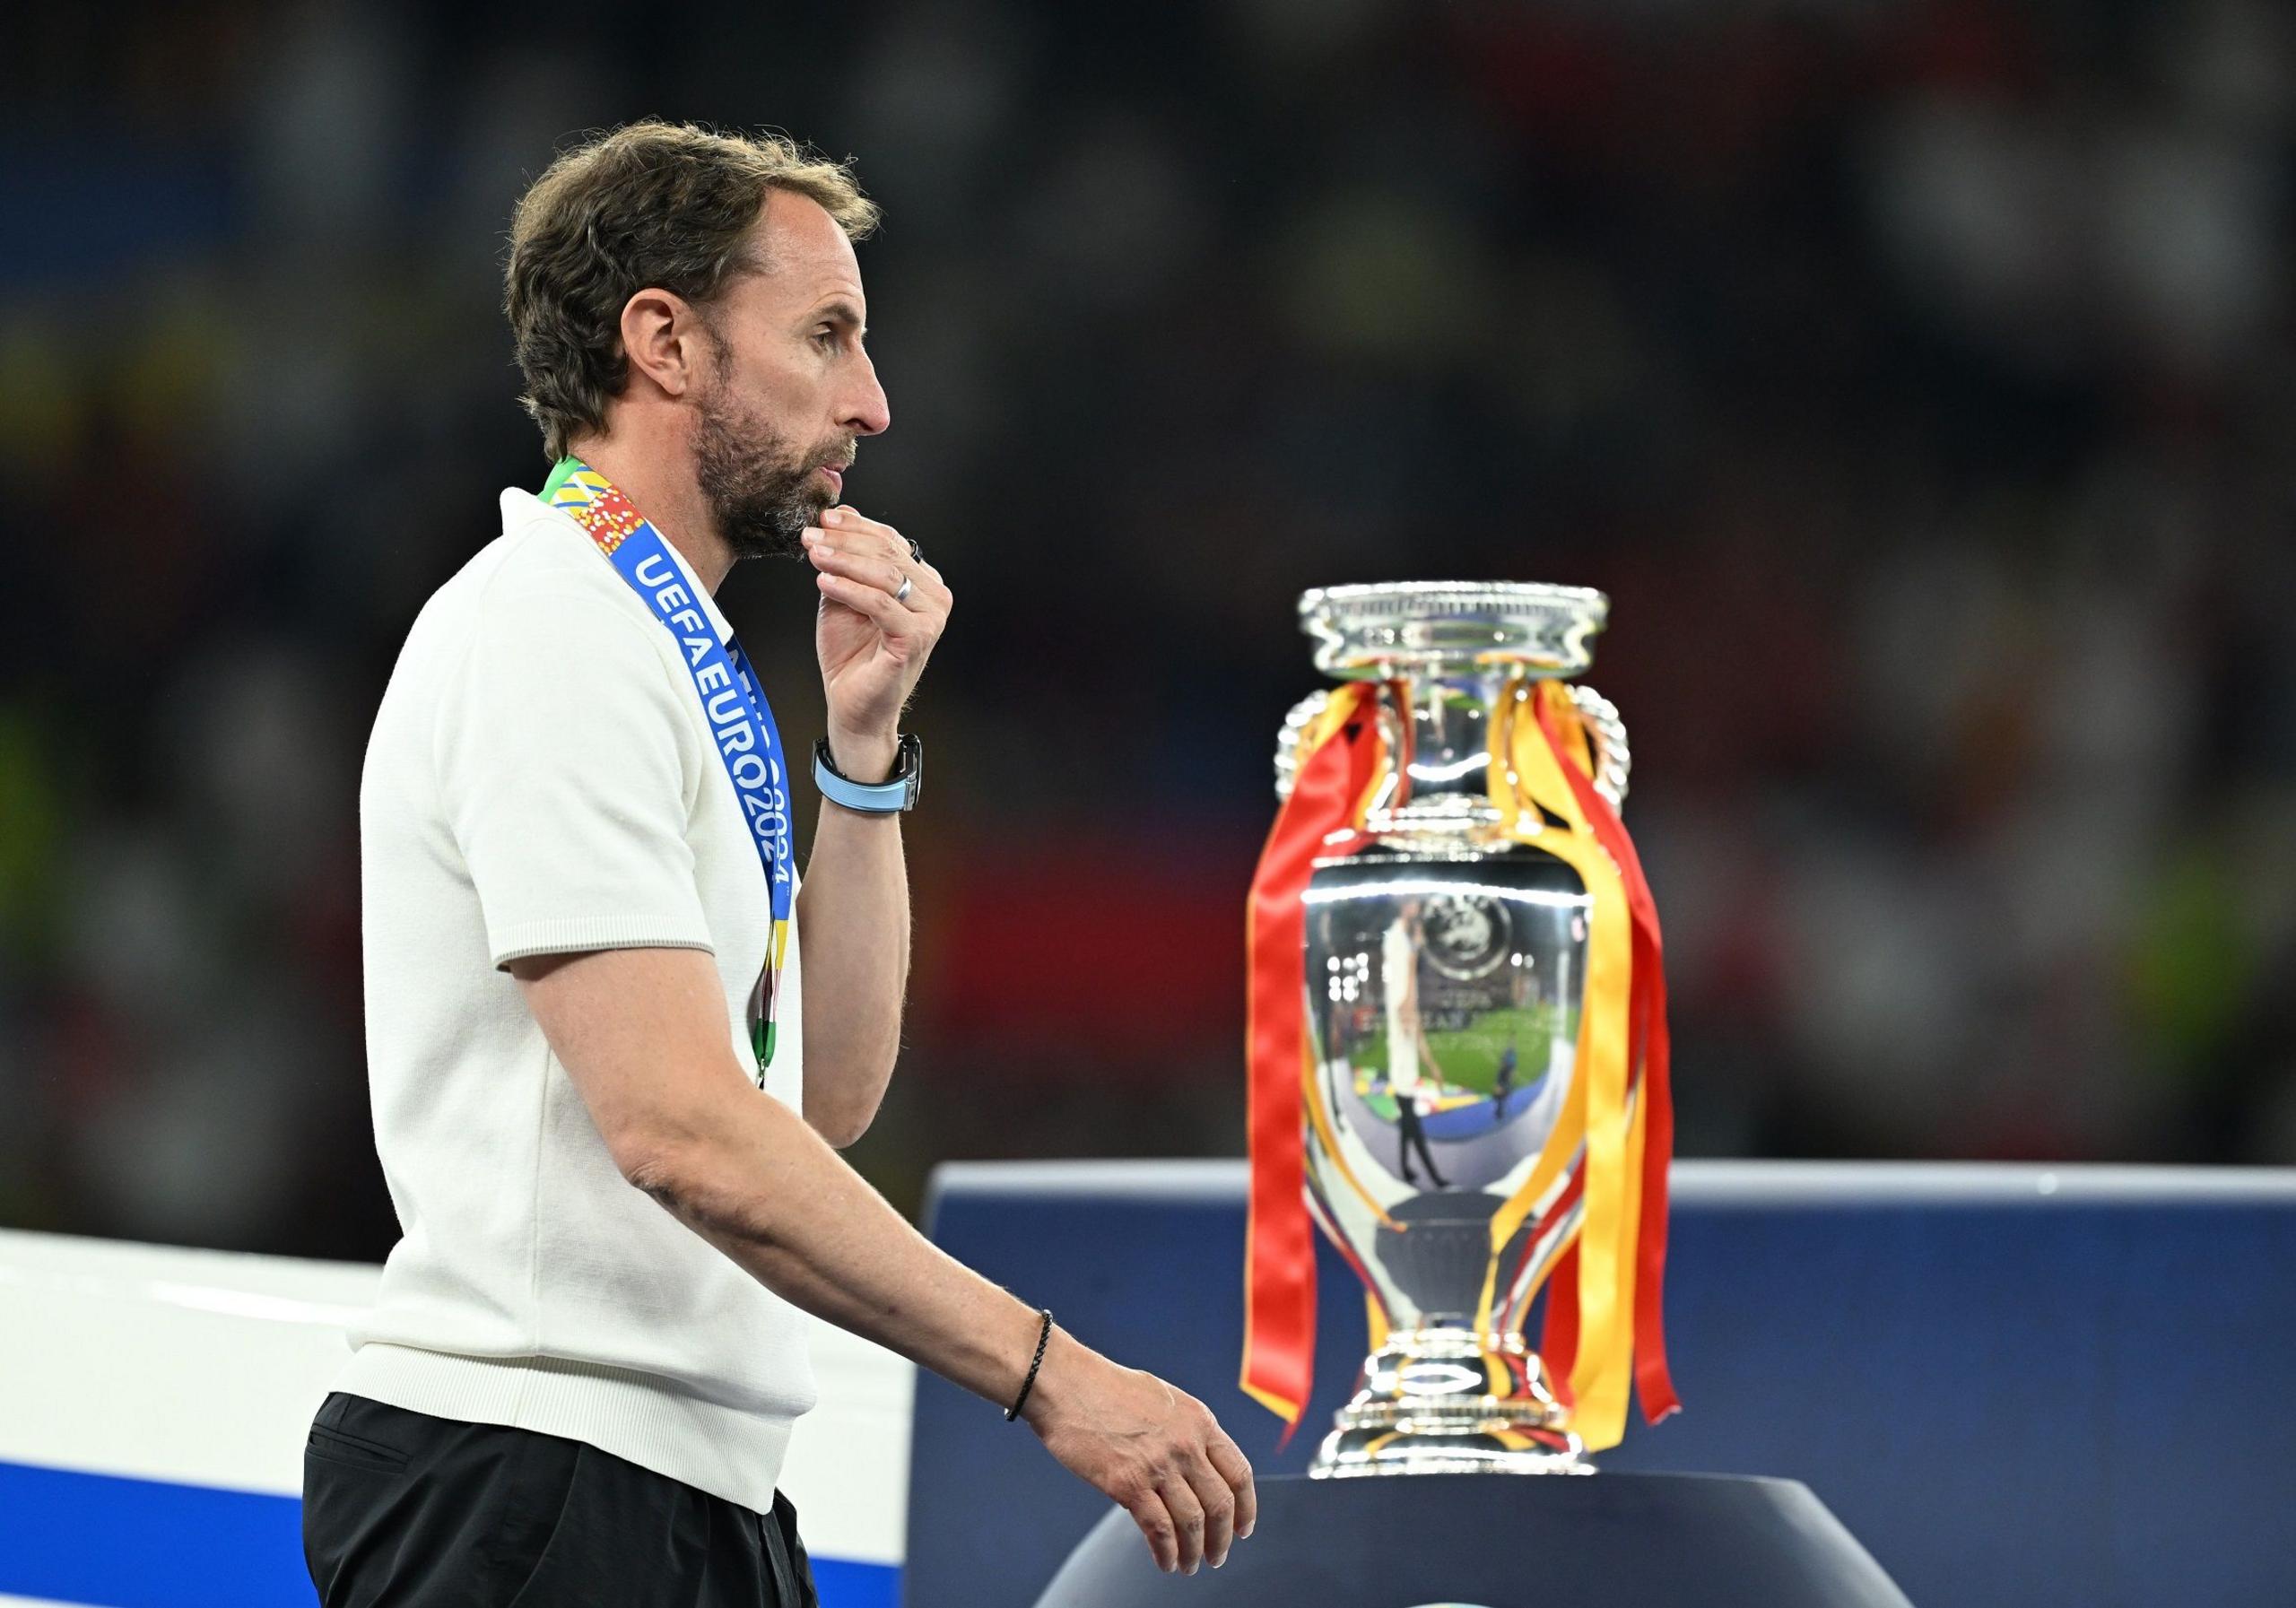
x: 868, y: 413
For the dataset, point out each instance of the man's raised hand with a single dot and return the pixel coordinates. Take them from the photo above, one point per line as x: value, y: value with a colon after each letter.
x: 872, y: 641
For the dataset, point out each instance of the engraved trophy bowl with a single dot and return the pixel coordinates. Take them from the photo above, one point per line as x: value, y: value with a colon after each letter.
x: 1445, y: 967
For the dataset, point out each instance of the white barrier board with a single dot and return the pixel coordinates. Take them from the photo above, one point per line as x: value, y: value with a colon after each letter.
x: 203, y: 1369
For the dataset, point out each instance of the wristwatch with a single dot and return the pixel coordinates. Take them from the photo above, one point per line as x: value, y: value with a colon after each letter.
x: 896, y: 792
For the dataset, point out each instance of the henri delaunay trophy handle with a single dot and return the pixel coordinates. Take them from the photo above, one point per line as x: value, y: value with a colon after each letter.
x: 1613, y: 761
x: 1287, y: 740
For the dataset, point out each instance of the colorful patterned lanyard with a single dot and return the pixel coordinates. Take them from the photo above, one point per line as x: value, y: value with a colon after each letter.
x: 732, y: 697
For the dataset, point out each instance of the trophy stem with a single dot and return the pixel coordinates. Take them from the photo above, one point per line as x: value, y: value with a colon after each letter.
x: 1451, y: 1401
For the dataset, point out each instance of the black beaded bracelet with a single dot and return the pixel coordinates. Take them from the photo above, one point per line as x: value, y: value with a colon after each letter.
x: 1027, y: 1384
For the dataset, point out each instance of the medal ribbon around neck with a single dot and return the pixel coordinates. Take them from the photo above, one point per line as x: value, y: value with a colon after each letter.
x: 733, y: 700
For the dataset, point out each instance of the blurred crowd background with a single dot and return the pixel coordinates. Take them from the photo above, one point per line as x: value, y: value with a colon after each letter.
x: 1917, y: 377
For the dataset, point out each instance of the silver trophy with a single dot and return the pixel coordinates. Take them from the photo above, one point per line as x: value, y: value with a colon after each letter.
x: 1446, y: 964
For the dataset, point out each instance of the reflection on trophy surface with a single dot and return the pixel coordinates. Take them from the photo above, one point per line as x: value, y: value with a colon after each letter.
x: 1462, y: 1065
x: 1447, y: 963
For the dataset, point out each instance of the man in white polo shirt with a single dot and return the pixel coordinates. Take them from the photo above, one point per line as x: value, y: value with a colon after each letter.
x: 606, y: 1075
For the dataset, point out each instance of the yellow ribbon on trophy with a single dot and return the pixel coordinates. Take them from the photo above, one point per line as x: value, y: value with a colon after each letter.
x: 1535, y: 729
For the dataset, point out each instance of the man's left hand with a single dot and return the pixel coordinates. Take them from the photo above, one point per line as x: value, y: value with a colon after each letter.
x: 871, y: 648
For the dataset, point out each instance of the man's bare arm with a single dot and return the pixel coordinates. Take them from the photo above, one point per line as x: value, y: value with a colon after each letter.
x: 643, y: 1034
x: 853, y: 920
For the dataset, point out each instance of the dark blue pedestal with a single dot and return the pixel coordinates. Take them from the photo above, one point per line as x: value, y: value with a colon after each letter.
x: 2015, y: 1385
x: 1497, y: 1540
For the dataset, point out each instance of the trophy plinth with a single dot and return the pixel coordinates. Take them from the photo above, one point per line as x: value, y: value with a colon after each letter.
x: 1445, y: 963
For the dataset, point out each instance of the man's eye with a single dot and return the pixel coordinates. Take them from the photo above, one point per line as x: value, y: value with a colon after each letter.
x: 827, y: 337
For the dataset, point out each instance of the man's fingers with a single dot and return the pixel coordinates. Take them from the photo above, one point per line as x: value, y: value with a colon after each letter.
x: 881, y: 573
x: 895, y: 618
x: 1235, y: 1468
x: 927, y: 589
x: 1218, y: 1505
x: 1188, y: 1514
x: 841, y: 525
x: 859, y: 531
x: 845, y: 517
x: 1156, y: 1524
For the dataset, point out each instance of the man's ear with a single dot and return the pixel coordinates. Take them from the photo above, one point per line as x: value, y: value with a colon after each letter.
x: 661, y: 335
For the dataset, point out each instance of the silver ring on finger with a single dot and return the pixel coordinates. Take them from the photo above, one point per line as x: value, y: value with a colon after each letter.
x: 902, y: 596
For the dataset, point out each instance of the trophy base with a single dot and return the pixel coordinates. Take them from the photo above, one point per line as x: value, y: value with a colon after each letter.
x: 1443, y: 1401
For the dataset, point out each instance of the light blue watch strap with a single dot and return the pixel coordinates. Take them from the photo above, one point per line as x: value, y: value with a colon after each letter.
x: 875, y: 798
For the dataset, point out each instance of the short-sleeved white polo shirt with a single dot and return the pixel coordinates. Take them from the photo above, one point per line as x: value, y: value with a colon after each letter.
x: 541, y: 778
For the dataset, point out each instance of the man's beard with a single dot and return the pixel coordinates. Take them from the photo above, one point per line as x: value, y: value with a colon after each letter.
x: 761, y: 493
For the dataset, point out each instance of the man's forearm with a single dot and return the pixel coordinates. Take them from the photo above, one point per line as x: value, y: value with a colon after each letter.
x: 852, y: 917
x: 751, y: 1178
x: 761, y: 1185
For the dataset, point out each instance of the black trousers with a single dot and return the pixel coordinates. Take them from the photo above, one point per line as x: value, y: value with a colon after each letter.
x: 401, y: 1508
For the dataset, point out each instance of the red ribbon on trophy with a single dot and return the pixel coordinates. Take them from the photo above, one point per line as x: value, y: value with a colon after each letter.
x: 1340, y: 758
